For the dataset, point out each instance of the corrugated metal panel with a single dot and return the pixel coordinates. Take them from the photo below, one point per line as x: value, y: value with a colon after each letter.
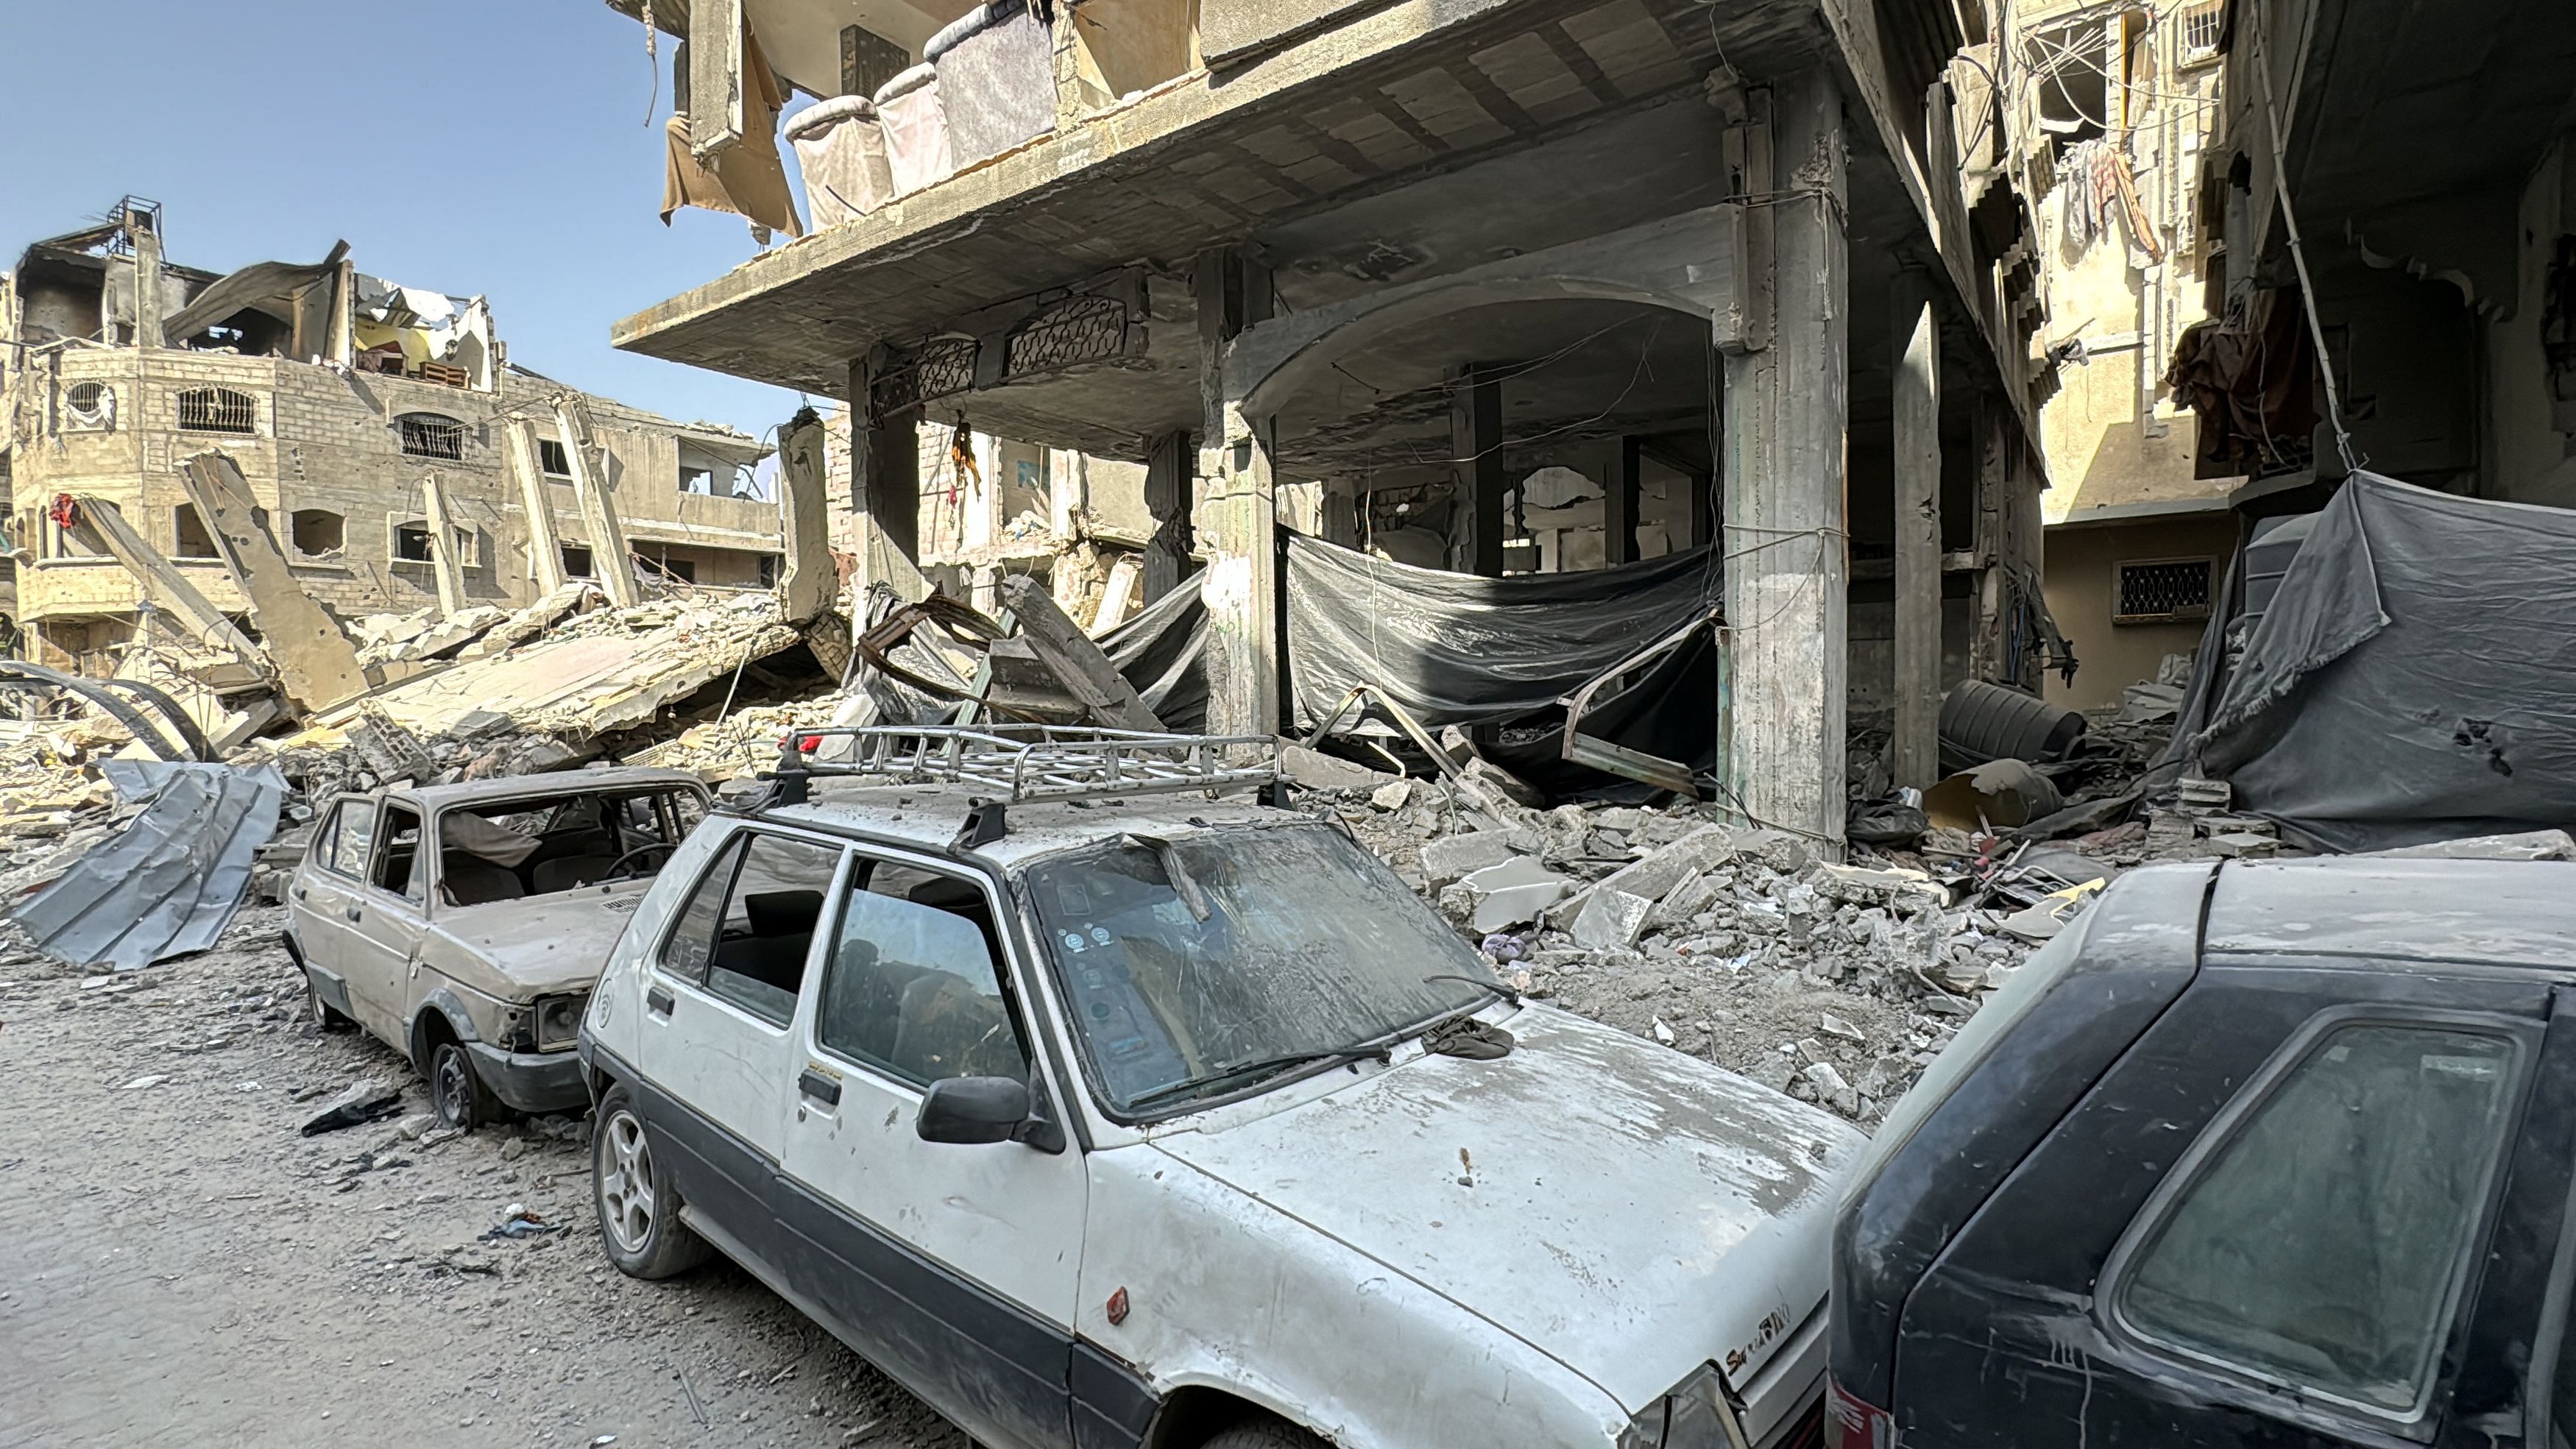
x: 170, y: 883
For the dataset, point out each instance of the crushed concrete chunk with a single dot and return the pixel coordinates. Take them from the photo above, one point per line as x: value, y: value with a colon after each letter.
x: 1393, y: 795
x: 1510, y: 894
x: 1319, y: 771
x: 1611, y: 919
x: 1453, y: 856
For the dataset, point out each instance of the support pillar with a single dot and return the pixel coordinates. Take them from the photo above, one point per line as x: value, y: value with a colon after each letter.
x: 443, y: 562
x: 545, y: 545
x: 808, y: 582
x: 611, y: 561
x: 143, y: 231
x: 1623, y: 488
x: 885, y: 490
x: 1167, y: 499
x: 1785, y: 406
x: 1914, y: 750
x: 1476, y: 448
x: 1240, y: 511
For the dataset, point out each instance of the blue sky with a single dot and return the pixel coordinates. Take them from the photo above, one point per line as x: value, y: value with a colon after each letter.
x: 498, y: 147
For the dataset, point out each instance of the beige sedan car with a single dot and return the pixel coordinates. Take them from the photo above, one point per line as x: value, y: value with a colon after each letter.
x: 476, y: 958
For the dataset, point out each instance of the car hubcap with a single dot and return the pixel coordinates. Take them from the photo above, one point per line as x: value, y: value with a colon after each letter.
x: 450, y: 1088
x: 626, y: 1184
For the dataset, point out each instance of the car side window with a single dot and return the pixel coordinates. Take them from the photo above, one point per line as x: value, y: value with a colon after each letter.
x: 692, y: 942
x: 758, y: 958
x: 913, y: 987
x: 397, y: 867
x: 2323, y: 1245
x: 344, y: 840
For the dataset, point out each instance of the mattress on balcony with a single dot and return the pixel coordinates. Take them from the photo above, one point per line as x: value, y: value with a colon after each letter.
x: 912, y: 114
x: 996, y: 78
x: 841, y: 149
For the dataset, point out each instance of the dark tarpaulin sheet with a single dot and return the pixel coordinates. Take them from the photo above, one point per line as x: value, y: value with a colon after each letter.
x: 2415, y: 677
x: 1163, y: 654
x: 1465, y: 649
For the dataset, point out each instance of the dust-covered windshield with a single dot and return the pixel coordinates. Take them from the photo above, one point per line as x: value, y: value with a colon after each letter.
x: 1195, y: 965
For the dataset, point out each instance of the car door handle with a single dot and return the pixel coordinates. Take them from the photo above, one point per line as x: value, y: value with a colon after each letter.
x: 354, y: 912
x: 821, y: 1088
x: 657, y: 1001
x: 301, y: 892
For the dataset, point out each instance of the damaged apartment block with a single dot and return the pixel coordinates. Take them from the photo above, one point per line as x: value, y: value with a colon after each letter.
x: 1504, y: 291
x: 242, y: 471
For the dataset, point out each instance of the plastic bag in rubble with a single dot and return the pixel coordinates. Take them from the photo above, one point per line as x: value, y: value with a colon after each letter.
x: 1884, y: 822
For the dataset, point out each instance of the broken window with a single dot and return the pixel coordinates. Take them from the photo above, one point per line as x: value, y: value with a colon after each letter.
x: 515, y: 849
x: 2204, y: 30
x: 769, y: 571
x: 89, y: 407
x: 318, y: 531
x: 397, y: 849
x: 679, y: 570
x: 191, y: 536
x: 2162, y: 591
x: 344, y: 841
x: 694, y: 479
x: 427, y: 435
x: 2380, y: 1144
x: 411, y: 544
x: 552, y: 458
x: 745, y: 933
x: 217, y: 410
x: 576, y: 562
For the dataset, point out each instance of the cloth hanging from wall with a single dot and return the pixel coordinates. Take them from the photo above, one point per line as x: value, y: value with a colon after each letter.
x: 2412, y: 678
x: 2251, y: 382
x: 746, y: 178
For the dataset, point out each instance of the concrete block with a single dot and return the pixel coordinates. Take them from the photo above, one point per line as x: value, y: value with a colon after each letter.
x: 1611, y: 919
x: 1655, y: 876
x: 1453, y: 856
x: 1511, y: 894
x: 1319, y: 771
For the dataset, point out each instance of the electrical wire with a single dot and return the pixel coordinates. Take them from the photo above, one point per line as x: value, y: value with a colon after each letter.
x: 2299, y: 258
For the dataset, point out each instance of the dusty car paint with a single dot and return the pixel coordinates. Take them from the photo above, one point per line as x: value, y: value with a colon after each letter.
x: 532, y: 947
x: 1320, y: 1265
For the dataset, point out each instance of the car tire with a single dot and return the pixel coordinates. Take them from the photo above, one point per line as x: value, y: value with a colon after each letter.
x: 456, y: 1090
x: 639, y: 1218
x: 323, y: 1015
x: 1264, y: 1434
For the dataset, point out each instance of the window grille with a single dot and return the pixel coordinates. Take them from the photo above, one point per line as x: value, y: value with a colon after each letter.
x: 89, y: 407
x: 217, y: 410
x: 2204, y: 28
x: 2163, y: 591
x: 427, y: 435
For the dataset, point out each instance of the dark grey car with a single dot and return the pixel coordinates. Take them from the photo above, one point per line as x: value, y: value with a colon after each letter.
x: 2259, y: 1154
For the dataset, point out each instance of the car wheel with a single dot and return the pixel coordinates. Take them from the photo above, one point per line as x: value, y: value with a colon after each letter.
x: 639, y: 1220
x: 323, y: 1015
x: 456, y: 1091
x: 1264, y: 1434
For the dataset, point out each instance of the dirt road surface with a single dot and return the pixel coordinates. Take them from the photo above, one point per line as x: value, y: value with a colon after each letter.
x: 179, y: 1266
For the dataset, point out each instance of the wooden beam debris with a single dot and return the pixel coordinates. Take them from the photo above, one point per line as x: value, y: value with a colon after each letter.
x: 1076, y: 662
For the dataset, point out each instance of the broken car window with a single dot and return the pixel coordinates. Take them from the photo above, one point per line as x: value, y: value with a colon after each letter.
x: 344, y: 841
x: 912, y: 989
x: 1308, y: 944
x: 768, y: 926
x: 397, y: 851
x: 2322, y: 1246
x: 512, y: 849
x: 692, y: 942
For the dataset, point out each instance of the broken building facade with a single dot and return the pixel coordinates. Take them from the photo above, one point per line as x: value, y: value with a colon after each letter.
x: 356, y: 411
x: 1519, y: 287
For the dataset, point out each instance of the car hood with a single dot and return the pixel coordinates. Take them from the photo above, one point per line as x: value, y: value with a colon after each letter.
x: 1630, y: 1211
x: 534, y: 946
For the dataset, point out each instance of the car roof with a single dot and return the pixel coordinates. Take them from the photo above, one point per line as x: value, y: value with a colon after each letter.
x: 2487, y: 912
x: 929, y: 815
x: 545, y: 786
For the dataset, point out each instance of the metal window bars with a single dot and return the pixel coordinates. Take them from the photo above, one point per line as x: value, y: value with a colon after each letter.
x: 1018, y: 763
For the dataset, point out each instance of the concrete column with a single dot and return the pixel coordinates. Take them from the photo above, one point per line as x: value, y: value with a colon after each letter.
x: 1239, y: 510
x: 1914, y: 751
x: 1782, y: 463
x: 1167, y: 499
x: 1621, y: 491
x: 450, y: 569
x: 1068, y: 481
x: 143, y: 230
x: 885, y: 490
x: 808, y: 583
x: 1476, y: 451
x: 611, y: 561
x: 545, y: 545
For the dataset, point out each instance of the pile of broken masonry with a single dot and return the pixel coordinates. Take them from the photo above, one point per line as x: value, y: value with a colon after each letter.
x: 1835, y: 982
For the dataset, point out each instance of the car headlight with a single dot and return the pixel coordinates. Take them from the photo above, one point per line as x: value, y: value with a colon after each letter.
x: 1695, y: 1415
x: 559, y: 1022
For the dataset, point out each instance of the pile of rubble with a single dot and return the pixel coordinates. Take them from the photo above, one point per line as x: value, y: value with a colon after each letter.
x: 1834, y: 982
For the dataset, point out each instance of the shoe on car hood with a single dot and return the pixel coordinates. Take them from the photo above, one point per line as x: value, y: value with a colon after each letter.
x: 1630, y: 1211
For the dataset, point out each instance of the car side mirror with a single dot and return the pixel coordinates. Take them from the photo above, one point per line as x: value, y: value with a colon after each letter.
x: 970, y: 1110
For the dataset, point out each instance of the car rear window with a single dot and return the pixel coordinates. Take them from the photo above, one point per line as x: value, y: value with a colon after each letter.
x: 1969, y: 1049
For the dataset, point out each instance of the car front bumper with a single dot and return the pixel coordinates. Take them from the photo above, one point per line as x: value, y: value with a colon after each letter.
x: 532, y: 1081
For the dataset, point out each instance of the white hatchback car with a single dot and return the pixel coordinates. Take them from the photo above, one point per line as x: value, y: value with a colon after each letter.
x: 1132, y: 1119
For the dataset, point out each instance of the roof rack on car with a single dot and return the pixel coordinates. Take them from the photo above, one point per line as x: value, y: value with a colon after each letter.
x: 1018, y: 763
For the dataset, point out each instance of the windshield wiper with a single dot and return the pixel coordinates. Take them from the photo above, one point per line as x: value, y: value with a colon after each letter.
x: 1281, y: 1062
x: 1502, y: 989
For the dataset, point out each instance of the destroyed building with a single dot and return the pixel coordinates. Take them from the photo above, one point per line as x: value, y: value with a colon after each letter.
x: 1534, y: 289
x: 355, y: 411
